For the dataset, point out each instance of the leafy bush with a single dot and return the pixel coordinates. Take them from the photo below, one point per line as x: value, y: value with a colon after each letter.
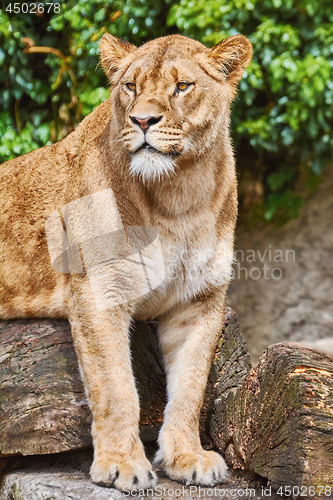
x: 282, y: 118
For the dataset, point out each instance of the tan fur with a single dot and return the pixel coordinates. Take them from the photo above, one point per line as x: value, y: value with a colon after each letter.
x: 184, y: 188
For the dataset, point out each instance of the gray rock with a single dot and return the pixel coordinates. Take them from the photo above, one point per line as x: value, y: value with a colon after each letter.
x: 66, y: 477
x: 325, y: 344
x: 22, y: 486
x: 296, y: 306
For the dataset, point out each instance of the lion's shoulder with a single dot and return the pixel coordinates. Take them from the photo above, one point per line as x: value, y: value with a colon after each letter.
x: 94, y: 124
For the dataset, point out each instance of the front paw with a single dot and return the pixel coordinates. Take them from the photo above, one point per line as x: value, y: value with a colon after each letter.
x: 123, y: 474
x: 205, y: 468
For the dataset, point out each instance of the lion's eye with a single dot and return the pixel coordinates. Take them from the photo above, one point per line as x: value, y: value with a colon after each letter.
x: 183, y: 85
x: 131, y: 86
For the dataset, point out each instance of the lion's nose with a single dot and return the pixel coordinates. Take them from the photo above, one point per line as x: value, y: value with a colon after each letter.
x: 145, y: 123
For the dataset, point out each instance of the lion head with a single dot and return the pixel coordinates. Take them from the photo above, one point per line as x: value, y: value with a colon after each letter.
x: 171, y: 98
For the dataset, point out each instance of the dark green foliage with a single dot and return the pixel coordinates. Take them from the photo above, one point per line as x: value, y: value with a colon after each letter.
x: 282, y: 118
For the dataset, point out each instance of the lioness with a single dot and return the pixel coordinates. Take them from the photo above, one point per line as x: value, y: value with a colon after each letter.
x: 155, y: 157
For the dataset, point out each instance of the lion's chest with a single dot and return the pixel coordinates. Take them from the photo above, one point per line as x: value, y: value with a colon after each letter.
x: 194, y: 260
x: 186, y: 264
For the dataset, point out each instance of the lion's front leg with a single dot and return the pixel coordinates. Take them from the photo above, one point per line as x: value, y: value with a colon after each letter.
x: 188, y: 339
x: 102, y: 345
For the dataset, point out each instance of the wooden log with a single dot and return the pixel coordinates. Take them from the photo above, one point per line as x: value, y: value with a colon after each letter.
x: 230, y: 366
x: 275, y: 419
x: 43, y: 408
x: 279, y: 422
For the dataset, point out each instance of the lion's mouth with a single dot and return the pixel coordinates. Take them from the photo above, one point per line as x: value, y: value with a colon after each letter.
x: 147, y: 147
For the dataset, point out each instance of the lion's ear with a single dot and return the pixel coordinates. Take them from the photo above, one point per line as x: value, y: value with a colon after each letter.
x: 114, y: 52
x: 231, y: 56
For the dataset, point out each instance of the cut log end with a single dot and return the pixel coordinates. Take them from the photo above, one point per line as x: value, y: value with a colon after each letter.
x: 279, y: 422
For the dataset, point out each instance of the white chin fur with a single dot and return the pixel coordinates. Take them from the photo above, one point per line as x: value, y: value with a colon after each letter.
x: 151, y: 166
